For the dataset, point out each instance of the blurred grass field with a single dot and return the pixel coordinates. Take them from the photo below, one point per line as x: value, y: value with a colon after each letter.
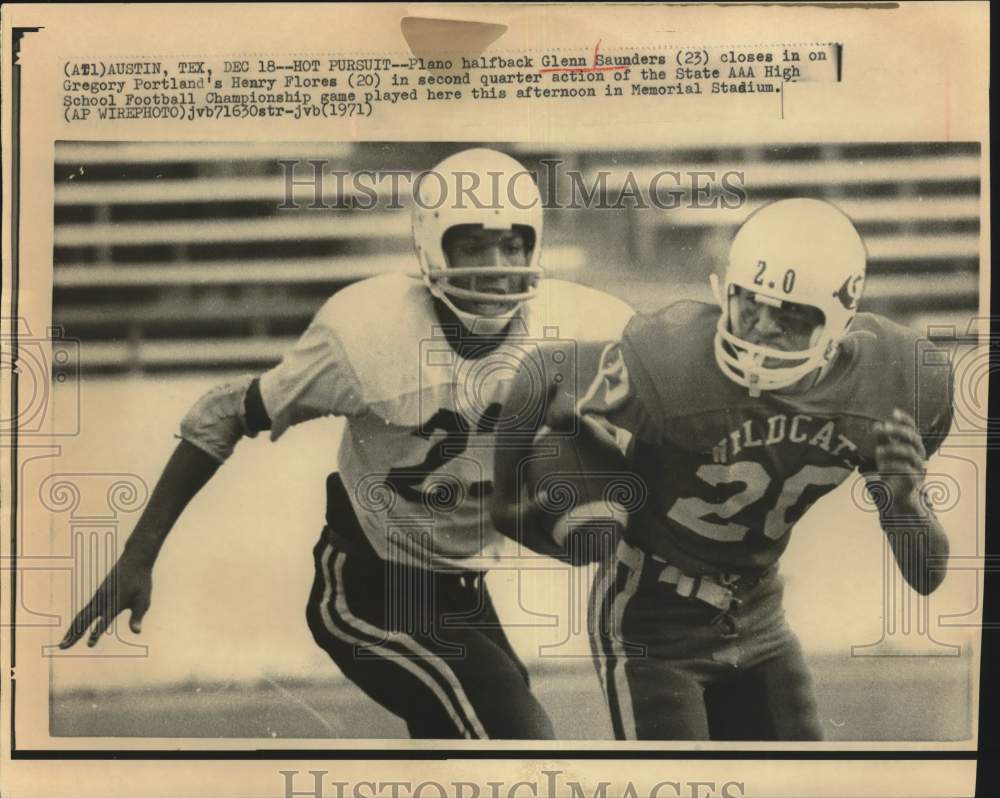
x: 861, y: 698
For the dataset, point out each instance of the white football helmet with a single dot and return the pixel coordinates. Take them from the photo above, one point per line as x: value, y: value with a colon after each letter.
x: 804, y: 251
x: 488, y: 189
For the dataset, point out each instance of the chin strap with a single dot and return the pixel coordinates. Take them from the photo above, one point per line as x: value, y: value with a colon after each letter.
x: 747, y: 365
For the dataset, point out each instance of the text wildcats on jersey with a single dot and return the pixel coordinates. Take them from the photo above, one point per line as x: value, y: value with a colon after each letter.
x: 799, y: 428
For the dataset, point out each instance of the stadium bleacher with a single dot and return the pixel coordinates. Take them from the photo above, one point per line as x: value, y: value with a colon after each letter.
x: 186, y: 256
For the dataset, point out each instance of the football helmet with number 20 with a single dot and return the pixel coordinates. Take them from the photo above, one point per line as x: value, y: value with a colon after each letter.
x: 802, y: 251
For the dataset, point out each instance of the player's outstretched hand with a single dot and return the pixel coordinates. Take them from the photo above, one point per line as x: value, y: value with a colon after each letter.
x: 901, y: 460
x: 127, y: 587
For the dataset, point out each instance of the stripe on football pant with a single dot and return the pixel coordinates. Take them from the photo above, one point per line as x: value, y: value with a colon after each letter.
x: 614, y: 578
x: 619, y: 585
x: 429, y: 668
x: 599, y: 594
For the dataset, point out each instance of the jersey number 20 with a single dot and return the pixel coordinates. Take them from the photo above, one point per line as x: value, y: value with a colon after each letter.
x: 693, y: 513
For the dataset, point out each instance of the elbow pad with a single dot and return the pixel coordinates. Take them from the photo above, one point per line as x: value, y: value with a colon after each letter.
x: 217, y: 421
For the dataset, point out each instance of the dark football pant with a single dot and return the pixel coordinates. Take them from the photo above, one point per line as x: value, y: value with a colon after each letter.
x: 677, y: 668
x: 427, y: 646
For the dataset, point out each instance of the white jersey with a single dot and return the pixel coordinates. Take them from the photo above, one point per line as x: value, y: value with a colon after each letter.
x: 416, y: 456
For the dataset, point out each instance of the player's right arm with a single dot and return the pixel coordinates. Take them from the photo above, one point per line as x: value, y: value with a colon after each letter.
x: 314, y: 379
x: 554, y: 405
x: 129, y: 584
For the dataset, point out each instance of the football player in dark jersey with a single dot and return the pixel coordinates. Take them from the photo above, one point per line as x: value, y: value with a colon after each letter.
x: 741, y: 416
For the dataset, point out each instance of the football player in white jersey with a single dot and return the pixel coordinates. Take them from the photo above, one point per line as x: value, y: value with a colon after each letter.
x: 419, y: 368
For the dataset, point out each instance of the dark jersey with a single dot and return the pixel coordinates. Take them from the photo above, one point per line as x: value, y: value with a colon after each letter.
x: 728, y: 475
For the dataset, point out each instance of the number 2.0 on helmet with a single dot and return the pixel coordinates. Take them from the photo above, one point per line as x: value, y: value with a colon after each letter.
x: 804, y: 251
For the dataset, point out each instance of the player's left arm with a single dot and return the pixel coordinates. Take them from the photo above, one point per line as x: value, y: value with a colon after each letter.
x: 918, y: 541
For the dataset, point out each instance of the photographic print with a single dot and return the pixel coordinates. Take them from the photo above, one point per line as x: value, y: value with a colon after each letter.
x: 496, y: 400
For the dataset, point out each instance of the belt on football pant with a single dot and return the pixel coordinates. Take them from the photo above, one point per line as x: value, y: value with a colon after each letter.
x: 705, y: 588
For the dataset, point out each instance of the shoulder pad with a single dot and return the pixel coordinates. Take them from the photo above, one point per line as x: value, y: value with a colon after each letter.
x: 377, y: 299
x: 569, y: 310
x: 897, y: 367
x: 380, y: 324
x: 669, y: 355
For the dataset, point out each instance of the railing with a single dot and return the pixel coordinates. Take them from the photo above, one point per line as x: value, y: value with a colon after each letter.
x: 186, y: 255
